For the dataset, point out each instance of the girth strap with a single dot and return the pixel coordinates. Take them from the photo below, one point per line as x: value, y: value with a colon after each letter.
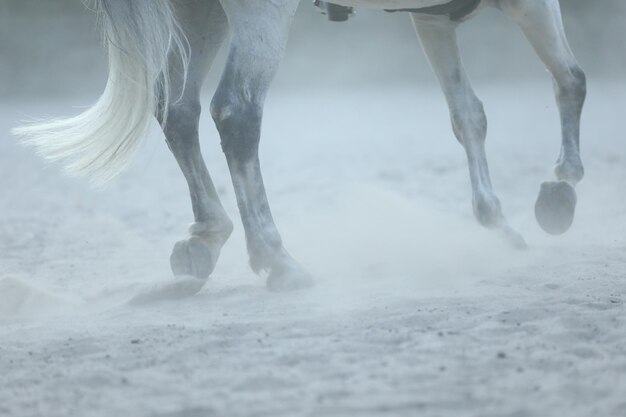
x: 455, y: 9
x: 335, y: 12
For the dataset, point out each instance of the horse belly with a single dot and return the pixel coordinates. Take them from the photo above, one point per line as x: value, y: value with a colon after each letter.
x: 390, y: 4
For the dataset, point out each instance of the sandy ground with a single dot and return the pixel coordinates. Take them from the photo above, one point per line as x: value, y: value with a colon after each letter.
x: 417, y: 310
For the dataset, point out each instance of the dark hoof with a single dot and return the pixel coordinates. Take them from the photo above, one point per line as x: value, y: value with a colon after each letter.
x: 192, y: 257
x: 555, y: 207
x: 289, y: 278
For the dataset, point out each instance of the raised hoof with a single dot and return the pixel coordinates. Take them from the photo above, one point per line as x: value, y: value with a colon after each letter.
x: 289, y: 278
x: 555, y: 207
x: 192, y: 257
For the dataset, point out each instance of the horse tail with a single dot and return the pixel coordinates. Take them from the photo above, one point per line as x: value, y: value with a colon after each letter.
x: 100, y: 142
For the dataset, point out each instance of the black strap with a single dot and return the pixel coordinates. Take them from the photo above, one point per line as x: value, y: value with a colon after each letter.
x: 335, y: 12
x: 455, y: 9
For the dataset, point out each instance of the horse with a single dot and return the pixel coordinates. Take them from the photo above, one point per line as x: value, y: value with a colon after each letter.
x: 161, y: 50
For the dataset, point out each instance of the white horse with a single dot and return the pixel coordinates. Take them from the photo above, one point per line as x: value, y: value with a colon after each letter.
x: 161, y: 50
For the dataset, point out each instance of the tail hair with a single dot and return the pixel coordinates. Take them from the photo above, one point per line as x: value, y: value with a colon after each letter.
x: 142, y: 36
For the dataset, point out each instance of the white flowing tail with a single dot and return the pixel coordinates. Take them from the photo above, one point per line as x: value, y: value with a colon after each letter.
x: 100, y: 142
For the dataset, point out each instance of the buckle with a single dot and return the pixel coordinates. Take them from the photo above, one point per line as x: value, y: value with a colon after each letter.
x: 334, y: 12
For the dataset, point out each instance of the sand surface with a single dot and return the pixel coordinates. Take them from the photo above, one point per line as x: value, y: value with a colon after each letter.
x: 417, y: 310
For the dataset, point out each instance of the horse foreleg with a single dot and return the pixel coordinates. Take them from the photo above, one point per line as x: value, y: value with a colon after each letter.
x: 542, y: 24
x: 259, y: 36
x: 439, y: 41
x: 205, y: 26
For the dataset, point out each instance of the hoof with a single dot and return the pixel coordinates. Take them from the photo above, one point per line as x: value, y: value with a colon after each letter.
x: 290, y: 277
x: 192, y: 257
x: 555, y: 207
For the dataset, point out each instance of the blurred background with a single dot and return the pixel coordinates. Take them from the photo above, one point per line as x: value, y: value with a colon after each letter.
x: 52, y: 47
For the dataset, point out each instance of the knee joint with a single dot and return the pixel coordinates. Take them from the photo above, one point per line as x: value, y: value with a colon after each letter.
x: 573, y: 85
x: 239, y: 123
x: 470, y: 122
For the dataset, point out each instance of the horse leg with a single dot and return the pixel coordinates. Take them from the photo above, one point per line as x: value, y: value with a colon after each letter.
x: 259, y: 34
x: 205, y: 26
x: 542, y: 24
x: 439, y: 41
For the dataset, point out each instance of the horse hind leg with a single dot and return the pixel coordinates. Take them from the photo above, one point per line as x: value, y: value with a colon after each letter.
x: 205, y: 26
x: 259, y: 35
x: 439, y: 41
x: 542, y: 25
